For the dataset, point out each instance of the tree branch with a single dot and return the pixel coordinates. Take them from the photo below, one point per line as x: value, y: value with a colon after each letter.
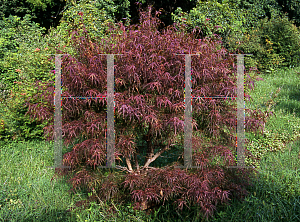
x: 150, y: 160
x: 123, y: 168
x: 128, y: 163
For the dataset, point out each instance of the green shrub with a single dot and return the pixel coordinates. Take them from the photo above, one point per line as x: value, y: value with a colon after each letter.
x: 274, y: 43
x: 95, y: 15
x: 260, y: 8
x: 225, y: 18
x: 256, y: 27
x: 22, y: 61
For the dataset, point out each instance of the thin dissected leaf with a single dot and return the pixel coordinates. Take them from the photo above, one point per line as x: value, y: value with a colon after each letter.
x: 151, y: 119
x: 124, y: 109
x: 140, y: 47
x: 178, y: 106
x: 153, y: 65
x: 177, y: 123
x: 93, y: 76
x: 138, y: 195
x: 181, y: 204
x: 92, y: 127
x: 163, y: 100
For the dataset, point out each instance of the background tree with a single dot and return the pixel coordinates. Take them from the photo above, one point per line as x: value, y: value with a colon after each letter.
x: 250, y: 27
x: 22, y: 62
x: 45, y: 12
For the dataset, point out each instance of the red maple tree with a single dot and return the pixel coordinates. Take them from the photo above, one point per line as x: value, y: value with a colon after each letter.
x: 149, y: 105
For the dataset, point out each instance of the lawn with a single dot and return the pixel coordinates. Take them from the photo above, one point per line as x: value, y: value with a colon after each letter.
x: 27, y: 192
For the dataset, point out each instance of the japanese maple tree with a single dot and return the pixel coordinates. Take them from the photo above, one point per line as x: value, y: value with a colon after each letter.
x: 149, y: 105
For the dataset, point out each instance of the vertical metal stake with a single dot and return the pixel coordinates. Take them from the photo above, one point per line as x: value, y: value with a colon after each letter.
x: 240, y: 112
x: 188, y: 114
x: 57, y: 116
x: 110, y: 112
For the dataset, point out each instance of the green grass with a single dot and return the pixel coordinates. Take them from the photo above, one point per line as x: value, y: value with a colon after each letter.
x: 276, y: 194
x: 27, y: 192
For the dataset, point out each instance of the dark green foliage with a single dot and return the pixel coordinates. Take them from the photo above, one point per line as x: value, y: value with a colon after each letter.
x: 166, y: 7
x: 272, y: 8
x: 212, y: 17
x: 274, y: 43
x: 285, y: 38
x: 292, y: 8
x: 45, y: 12
x: 247, y: 26
x: 259, y: 8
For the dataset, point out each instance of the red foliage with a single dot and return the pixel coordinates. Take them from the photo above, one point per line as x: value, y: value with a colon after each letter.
x: 149, y: 90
